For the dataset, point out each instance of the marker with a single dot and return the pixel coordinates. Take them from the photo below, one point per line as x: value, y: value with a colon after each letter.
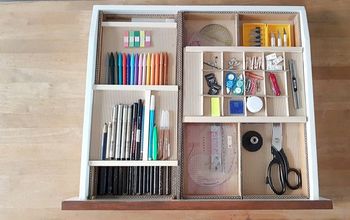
x: 156, y: 69
x: 139, y: 82
x: 151, y: 125
x: 132, y: 69
x: 165, y: 70
x: 152, y: 69
x: 128, y: 69
x: 148, y: 78
x: 124, y: 69
x: 136, y: 69
x: 120, y: 69
x: 144, y: 69
x: 161, y: 72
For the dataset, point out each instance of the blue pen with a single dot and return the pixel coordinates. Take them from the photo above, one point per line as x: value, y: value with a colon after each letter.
x: 136, y: 69
x: 151, y: 126
x: 128, y: 69
x: 120, y: 69
x: 132, y: 64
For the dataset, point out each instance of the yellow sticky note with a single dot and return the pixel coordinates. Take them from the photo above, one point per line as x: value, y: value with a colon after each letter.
x: 142, y: 38
x: 215, y: 106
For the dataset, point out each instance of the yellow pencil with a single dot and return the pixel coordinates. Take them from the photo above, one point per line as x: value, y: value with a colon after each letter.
x: 148, y: 74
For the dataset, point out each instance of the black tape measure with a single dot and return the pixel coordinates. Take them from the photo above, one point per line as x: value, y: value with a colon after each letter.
x: 252, y: 141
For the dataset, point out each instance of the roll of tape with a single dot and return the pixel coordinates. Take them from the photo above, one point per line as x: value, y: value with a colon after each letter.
x: 254, y: 104
x: 252, y: 141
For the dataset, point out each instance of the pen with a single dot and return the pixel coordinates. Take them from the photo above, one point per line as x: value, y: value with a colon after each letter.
x: 136, y: 69
x: 165, y: 70
x: 152, y: 69
x: 144, y: 69
x: 151, y: 125
x: 128, y: 133
x: 128, y: 69
x: 116, y: 78
x: 123, y: 138
x: 119, y: 133
x: 104, y: 141
x: 114, y: 131
x: 161, y: 72
x: 148, y: 78
x: 134, y: 130
x: 166, y: 136
x: 138, y: 132
x: 285, y: 38
x: 156, y: 69
x: 131, y: 66
x: 124, y: 69
x: 109, y: 136
x: 155, y: 143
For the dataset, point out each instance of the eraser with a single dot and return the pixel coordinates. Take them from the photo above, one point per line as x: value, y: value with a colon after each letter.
x: 131, y: 38
x: 215, y: 106
x: 137, y: 38
x: 148, y: 39
x: 142, y: 38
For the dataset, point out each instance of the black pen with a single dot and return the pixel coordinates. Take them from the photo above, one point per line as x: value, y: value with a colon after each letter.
x: 104, y: 142
x: 138, y: 132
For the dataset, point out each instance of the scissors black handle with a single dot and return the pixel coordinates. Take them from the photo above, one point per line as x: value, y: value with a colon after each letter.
x: 280, y: 159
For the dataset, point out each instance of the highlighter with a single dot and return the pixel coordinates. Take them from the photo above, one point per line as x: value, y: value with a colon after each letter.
x: 154, y: 143
x: 151, y: 125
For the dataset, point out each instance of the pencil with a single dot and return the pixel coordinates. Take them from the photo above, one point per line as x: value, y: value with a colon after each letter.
x: 152, y: 69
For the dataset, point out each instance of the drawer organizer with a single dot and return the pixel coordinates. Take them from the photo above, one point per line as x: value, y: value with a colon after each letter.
x: 188, y: 107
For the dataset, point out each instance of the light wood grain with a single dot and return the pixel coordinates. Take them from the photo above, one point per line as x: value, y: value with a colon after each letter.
x: 43, y: 49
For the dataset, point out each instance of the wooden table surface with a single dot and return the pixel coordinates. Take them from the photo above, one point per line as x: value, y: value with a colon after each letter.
x: 43, y: 51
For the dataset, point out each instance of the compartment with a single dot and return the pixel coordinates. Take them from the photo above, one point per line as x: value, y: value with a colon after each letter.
x: 167, y: 101
x: 233, y: 83
x: 254, y: 34
x: 163, y: 37
x: 255, y: 164
x: 270, y: 22
x: 282, y: 31
x: 212, y: 61
x: 299, y: 76
x: 274, y: 61
x: 255, y: 105
x: 210, y: 29
x: 103, y: 104
x: 281, y: 80
x: 234, y: 106
x: 254, y: 61
x: 211, y: 161
x: 212, y: 106
x: 233, y: 61
x: 254, y: 83
x: 277, y: 106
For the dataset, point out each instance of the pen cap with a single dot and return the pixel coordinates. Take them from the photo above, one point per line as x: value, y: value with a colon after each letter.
x: 153, y: 102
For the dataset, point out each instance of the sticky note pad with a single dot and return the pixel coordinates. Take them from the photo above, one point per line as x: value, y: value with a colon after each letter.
x: 131, y: 38
x: 236, y: 107
x: 126, y: 39
x: 142, y: 38
x: 215, y: 106
x: 137, y: 38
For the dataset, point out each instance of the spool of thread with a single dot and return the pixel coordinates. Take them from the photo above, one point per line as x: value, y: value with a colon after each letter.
x: 252, y: 141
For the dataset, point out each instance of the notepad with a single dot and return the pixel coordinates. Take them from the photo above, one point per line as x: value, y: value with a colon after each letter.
x: 215, y: 106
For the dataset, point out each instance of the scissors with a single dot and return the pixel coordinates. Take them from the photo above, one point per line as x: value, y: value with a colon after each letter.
x: 280, y: 160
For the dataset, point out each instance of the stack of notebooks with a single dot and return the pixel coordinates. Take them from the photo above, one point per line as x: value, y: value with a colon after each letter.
x: 134, y: 181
